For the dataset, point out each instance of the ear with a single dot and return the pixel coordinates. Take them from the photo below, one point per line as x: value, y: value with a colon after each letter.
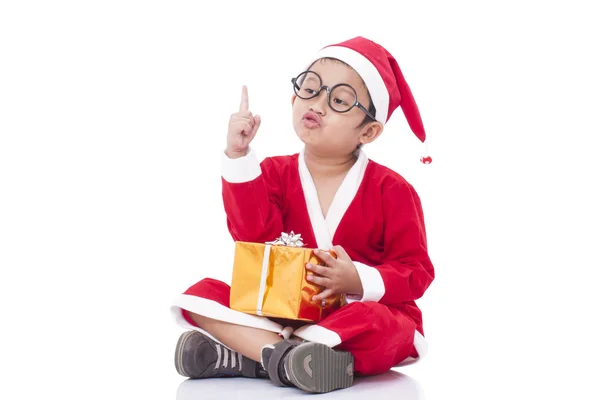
x: 371, y: 132
x: 293, y: 99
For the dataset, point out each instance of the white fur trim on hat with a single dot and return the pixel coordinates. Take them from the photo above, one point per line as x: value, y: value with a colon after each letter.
x: 367, y: 72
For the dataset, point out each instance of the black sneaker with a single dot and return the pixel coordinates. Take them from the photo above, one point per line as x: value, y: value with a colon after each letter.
x: 312, y: 367
x: 198, y: 356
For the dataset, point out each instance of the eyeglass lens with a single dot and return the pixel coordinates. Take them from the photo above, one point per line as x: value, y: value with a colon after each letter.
x: 308, y: 85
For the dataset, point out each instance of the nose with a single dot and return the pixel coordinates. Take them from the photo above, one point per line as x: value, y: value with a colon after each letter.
x: 319, y: 104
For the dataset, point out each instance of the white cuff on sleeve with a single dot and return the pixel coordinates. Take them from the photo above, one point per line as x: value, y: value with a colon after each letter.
x: 239, y: 170
x: 372, y: 283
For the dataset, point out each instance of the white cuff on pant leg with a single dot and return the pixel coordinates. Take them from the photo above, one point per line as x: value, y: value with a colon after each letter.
x: 214, y: 310
x: 239, y: 170
x: 421, y: 346
x: 318, y: 334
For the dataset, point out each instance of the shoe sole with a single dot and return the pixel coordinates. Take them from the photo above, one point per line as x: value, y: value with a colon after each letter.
x: 317, y: 368
x: 179, y: 352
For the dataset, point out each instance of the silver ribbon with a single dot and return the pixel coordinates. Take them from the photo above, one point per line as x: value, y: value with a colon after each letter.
x: 288, y: 239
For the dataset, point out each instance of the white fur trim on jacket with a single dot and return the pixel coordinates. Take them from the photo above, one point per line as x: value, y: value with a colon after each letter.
x: 239, y: 170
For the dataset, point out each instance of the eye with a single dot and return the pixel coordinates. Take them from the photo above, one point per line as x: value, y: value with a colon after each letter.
x: 309, y: 91
x: 340, y: 102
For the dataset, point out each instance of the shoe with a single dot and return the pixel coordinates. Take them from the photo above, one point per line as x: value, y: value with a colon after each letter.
x: 312, y: 367
x: 198, y: 356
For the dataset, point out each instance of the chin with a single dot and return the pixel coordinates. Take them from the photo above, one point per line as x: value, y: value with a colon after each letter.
x: 303, y: 137
x: 303, y: 133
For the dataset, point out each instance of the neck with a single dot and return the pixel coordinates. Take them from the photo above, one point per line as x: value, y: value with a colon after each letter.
x: 321, y: 166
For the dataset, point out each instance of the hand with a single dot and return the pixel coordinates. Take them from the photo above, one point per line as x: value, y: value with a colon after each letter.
x: 242, y: 129
x: 339, y: 276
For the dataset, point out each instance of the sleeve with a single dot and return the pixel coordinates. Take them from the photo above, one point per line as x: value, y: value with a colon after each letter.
x: 406, y: 270
x: 252, y: 198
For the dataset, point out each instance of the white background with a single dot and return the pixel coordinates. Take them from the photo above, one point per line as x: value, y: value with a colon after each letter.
x: 113, y: 117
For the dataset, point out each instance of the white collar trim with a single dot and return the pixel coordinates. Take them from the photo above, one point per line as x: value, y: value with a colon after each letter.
x: 324, y: 228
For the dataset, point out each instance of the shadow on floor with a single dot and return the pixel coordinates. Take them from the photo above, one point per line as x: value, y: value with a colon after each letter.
x: 390, y: 385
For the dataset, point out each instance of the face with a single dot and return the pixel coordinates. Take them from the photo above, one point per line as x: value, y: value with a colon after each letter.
x: 324, y: 130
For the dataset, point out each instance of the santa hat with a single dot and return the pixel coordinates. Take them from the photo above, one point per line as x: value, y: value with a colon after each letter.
x: 384, y: 80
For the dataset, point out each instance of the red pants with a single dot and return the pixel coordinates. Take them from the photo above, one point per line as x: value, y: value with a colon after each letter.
x: 379, y: 337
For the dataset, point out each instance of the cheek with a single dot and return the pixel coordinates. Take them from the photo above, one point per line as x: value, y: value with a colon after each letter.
x: 342, y: 125
x: 296, y: 111
x: 343, y: 133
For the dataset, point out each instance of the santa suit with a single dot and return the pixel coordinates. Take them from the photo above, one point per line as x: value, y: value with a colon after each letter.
x: 376, y: 216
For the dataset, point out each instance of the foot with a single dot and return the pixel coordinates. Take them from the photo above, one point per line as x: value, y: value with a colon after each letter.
x: 198, y: 356
x: 312, y: 367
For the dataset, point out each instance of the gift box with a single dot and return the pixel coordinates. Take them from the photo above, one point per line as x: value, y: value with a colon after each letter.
x: 269, y: 279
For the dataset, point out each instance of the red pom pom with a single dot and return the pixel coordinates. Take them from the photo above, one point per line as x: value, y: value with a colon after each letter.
x: 426, y: 160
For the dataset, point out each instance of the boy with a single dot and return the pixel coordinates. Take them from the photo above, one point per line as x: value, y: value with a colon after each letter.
x: 338, y: 200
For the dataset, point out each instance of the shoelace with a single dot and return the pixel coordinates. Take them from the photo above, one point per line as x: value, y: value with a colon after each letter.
x: 224, y: 355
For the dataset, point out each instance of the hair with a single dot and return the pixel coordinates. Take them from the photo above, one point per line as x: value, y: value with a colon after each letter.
x: 371, y: 107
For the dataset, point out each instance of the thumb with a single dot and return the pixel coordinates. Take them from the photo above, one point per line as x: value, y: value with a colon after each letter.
x: 341, y: 253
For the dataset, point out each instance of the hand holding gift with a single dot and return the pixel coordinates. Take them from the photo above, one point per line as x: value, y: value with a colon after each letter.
x: 338, y: 276
x: 271, y: 280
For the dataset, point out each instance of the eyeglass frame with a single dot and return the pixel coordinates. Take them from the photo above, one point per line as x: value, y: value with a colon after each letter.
x: 328, y: 90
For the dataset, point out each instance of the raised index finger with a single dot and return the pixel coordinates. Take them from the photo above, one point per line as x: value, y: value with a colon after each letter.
x: 244, y: 103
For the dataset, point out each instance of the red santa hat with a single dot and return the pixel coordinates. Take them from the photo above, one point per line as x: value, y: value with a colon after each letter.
x: 384, y: 80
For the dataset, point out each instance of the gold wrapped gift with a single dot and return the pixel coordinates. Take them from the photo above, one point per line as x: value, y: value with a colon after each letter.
x: 270, y: 280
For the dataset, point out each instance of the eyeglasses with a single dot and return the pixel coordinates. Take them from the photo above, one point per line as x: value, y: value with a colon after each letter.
x: 341, y: 97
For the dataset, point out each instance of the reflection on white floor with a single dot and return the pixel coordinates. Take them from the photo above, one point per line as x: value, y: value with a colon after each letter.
x: 391, y: 385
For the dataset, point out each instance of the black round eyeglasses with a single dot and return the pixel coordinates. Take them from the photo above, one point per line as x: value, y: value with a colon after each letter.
x: 341, y: 97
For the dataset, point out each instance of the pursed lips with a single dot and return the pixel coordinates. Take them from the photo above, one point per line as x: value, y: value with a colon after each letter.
x: 313, y: 117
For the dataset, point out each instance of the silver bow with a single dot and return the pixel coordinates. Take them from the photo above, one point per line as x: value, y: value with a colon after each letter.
x: 288, y: 239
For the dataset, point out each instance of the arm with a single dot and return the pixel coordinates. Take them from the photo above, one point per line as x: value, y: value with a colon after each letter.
x: 252, y: 198
x: 406, y: 270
